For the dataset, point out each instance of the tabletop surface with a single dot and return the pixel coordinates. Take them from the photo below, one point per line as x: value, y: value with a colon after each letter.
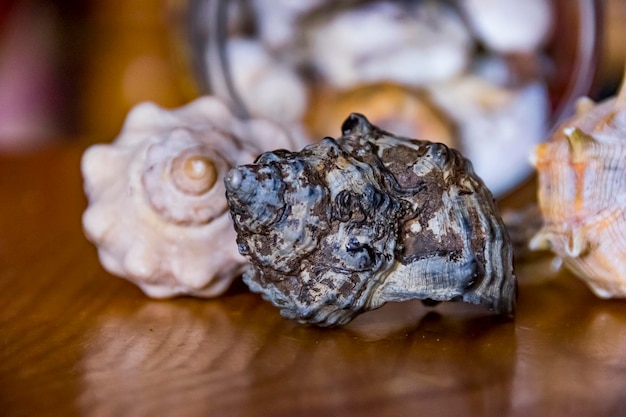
x: 75, y: 340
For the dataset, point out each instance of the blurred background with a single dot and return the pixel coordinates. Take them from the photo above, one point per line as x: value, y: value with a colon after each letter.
x: 73, y: 68
x: 70, y: 70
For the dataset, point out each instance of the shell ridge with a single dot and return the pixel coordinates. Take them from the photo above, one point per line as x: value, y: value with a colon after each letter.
x: 501, y: 283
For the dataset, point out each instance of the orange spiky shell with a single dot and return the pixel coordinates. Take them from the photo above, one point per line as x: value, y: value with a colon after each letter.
x: 582, y: 194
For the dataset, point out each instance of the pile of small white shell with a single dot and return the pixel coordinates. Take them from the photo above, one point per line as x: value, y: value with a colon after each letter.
x: 428, y: 45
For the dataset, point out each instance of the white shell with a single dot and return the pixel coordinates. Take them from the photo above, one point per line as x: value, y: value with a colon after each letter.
x: 383, y: 41
x: 509, y: 26
x: 497, y: 126
x: 277, y: 20
x: 268, y: 88
x: 157, y: 210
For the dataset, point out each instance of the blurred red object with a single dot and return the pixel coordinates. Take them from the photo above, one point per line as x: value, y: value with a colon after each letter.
x: 28, y: 74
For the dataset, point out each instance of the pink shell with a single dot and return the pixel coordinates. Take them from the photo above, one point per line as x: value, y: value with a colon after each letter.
x: 582, y: 195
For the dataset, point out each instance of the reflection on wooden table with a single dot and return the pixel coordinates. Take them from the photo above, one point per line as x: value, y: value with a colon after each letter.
x: 76, y: 341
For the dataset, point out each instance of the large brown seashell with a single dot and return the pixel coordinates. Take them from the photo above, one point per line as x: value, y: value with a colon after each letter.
x: 582, y: 194
x: 347, y: 225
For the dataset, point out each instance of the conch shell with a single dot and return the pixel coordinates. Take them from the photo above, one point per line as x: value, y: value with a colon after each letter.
x: 347, y: 225
x: 582, y: 194
x: 157, y: 210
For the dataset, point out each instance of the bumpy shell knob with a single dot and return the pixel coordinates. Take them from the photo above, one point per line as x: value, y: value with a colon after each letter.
x: 157, y: 210
x: 346, y: 225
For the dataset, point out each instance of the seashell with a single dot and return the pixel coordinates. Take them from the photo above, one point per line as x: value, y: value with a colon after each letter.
x: 510, y: 26
x: 582, y: 194
x: 415, y: 43
x: 268, y: 88
x: 157, y: 211
x: 498, y: 126
x: 346, y: 225
x: 405, y: 111
x: 277, y: 20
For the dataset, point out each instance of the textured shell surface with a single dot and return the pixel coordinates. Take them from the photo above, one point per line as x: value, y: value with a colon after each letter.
x: 582, y: 194
x: 346, y: 225
x: 157, y: 211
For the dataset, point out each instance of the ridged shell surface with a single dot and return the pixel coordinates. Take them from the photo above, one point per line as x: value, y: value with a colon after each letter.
x: 157, y: 211
x: 346, y: 225
x: 582, y: 195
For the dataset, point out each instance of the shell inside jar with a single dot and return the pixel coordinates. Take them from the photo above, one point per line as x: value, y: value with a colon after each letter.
x: 329, y: 53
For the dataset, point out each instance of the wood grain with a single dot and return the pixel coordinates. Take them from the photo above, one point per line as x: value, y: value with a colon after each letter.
x: 76, y: 341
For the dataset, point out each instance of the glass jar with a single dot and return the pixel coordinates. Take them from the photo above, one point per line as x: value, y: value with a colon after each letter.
x: 489, y: 77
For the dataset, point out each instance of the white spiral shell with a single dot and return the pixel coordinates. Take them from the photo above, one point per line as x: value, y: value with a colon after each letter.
x: 157, y: 211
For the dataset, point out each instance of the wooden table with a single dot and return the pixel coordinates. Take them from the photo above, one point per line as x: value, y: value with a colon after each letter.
x: 76, y: 341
